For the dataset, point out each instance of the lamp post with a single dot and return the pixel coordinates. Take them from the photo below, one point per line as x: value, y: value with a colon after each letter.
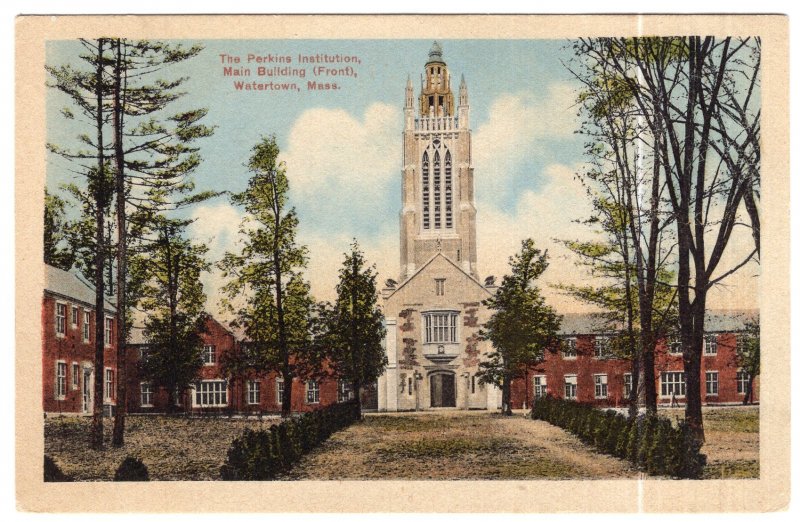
x: 417, y: 379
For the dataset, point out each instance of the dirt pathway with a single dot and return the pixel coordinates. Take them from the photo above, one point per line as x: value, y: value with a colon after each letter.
x: 455, y: 445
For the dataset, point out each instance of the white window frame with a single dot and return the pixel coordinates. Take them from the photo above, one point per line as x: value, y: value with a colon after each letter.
x: 441, y: 327
x: 344, y: 391
x: 671, y: 383
x: 61, y: 380
x: 108, y: 388
x: 601, y: 386
x: 176, y: 396
x: 199, y: 392
x: 571, y: 385
x: 279, y: 386
x: 601, y: 349
x: 87, y: 326
x: 76, y: 382
x: 146, y: 394
x: 312, y: 392
x: 742, y: 377
x: 61, y: 319
x: 539, y: 386
x: 209, y: 355
x: 74, y: 317
x: 571, y: 353
x: 627, y: 384
x: 253, y: 392
x: 712, y: 383
x: 674, y: 341
x: 108, y: 330
x: 707, y: 344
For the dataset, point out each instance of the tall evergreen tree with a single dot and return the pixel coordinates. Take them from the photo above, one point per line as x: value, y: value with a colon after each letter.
x: 166, y: 276
x: 522, y: 325
x: 259, y: 274
x: 355, y: 327
x: 56, y: 246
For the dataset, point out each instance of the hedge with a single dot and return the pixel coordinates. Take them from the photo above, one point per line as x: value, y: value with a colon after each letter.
x: 650, y: 442
x: 52, y: 473
x: 262, y: 454
x: 132, y: 470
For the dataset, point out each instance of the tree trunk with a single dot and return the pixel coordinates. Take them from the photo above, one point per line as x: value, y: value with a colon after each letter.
x: 507, y: 396
x: 357, y: 388
x: 633, y: 398
x: 99, y: 264
x: 122, y: 257
x: 748, y: 396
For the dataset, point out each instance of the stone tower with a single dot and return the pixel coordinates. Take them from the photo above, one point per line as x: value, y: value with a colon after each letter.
x: 438, y: 213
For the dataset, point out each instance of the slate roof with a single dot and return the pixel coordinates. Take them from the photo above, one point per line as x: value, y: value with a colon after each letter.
x: 71, y: 285
x: 716, y: 321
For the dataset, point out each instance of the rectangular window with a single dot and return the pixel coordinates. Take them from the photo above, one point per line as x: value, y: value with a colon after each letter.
x: 410, y: 386
x: 675, y: 347
x: 570, y: 348
x: 177, y: 397
x: 211, y: 394
x: 61, y: 319
x: 345, y: 392
x: 75, y: 376
x: 75, y: 315
x: 600, y: 386
x: 539, y: 386
x: 312, y: 392
x: 109, y: 395
x: 209, y: 355
x: 570, y: 386
x: 440, y: 327
x: 627, y: 381
x: 710, y: 345
x: 473, y: 384
x: 712, y: 383
x: 601, y: 350
x: 439, y: 286
x: 144, y: 353
x: 108, y: 331
x: 673, y: 383
x: 253, y: 392
x: 61, y: 380
x: 87, y: 316
x: 279, y: 391
x: 145, y: 394
x: 742, y: 378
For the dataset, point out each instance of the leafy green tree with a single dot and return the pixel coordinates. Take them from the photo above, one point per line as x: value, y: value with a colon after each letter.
x: 522, y: 325
x: 56, y: 253
x: 355, y: 328
x: 748, y: 354
x: 259, y: 274
x: 167, y: 278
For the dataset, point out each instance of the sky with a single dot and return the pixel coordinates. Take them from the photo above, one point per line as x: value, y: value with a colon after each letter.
x: 343, y: 152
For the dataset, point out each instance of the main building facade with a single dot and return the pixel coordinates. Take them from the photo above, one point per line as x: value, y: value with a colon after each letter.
x: 434, y: 311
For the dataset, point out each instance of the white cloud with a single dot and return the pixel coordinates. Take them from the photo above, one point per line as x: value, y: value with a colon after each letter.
x: 517, y: 126
x: 543, y: 216
x: 340, y: 167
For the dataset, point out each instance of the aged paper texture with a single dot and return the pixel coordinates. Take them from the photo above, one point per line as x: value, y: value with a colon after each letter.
x: 253, y: 71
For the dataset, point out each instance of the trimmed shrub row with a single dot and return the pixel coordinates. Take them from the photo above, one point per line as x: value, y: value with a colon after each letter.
x: 650, y: 442
x: 262, y: 454
x: 131, y: 469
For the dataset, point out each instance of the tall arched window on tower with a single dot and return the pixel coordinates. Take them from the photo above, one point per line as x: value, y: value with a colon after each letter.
x: 437, y: 191
x: 426, y: 194
x: 448, y: 191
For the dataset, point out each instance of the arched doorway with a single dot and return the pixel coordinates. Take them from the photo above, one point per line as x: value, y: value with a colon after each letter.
x: 443, y: 390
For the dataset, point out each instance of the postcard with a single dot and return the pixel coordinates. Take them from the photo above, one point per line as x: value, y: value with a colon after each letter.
x: 402, y: 263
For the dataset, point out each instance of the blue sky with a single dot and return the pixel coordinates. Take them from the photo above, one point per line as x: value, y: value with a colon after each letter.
x: 343, y: 148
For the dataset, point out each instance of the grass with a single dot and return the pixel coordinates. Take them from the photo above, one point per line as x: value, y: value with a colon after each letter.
x: 172, y: 448
x: 732, y: 441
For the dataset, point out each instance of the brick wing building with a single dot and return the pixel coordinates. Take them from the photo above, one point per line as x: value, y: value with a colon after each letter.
x: 585, y: 371
x: 68, y: 336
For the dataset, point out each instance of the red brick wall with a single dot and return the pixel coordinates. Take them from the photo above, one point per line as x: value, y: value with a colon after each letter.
x: 70, y: 348
x: 216, y: 334
x: 586, y: 366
